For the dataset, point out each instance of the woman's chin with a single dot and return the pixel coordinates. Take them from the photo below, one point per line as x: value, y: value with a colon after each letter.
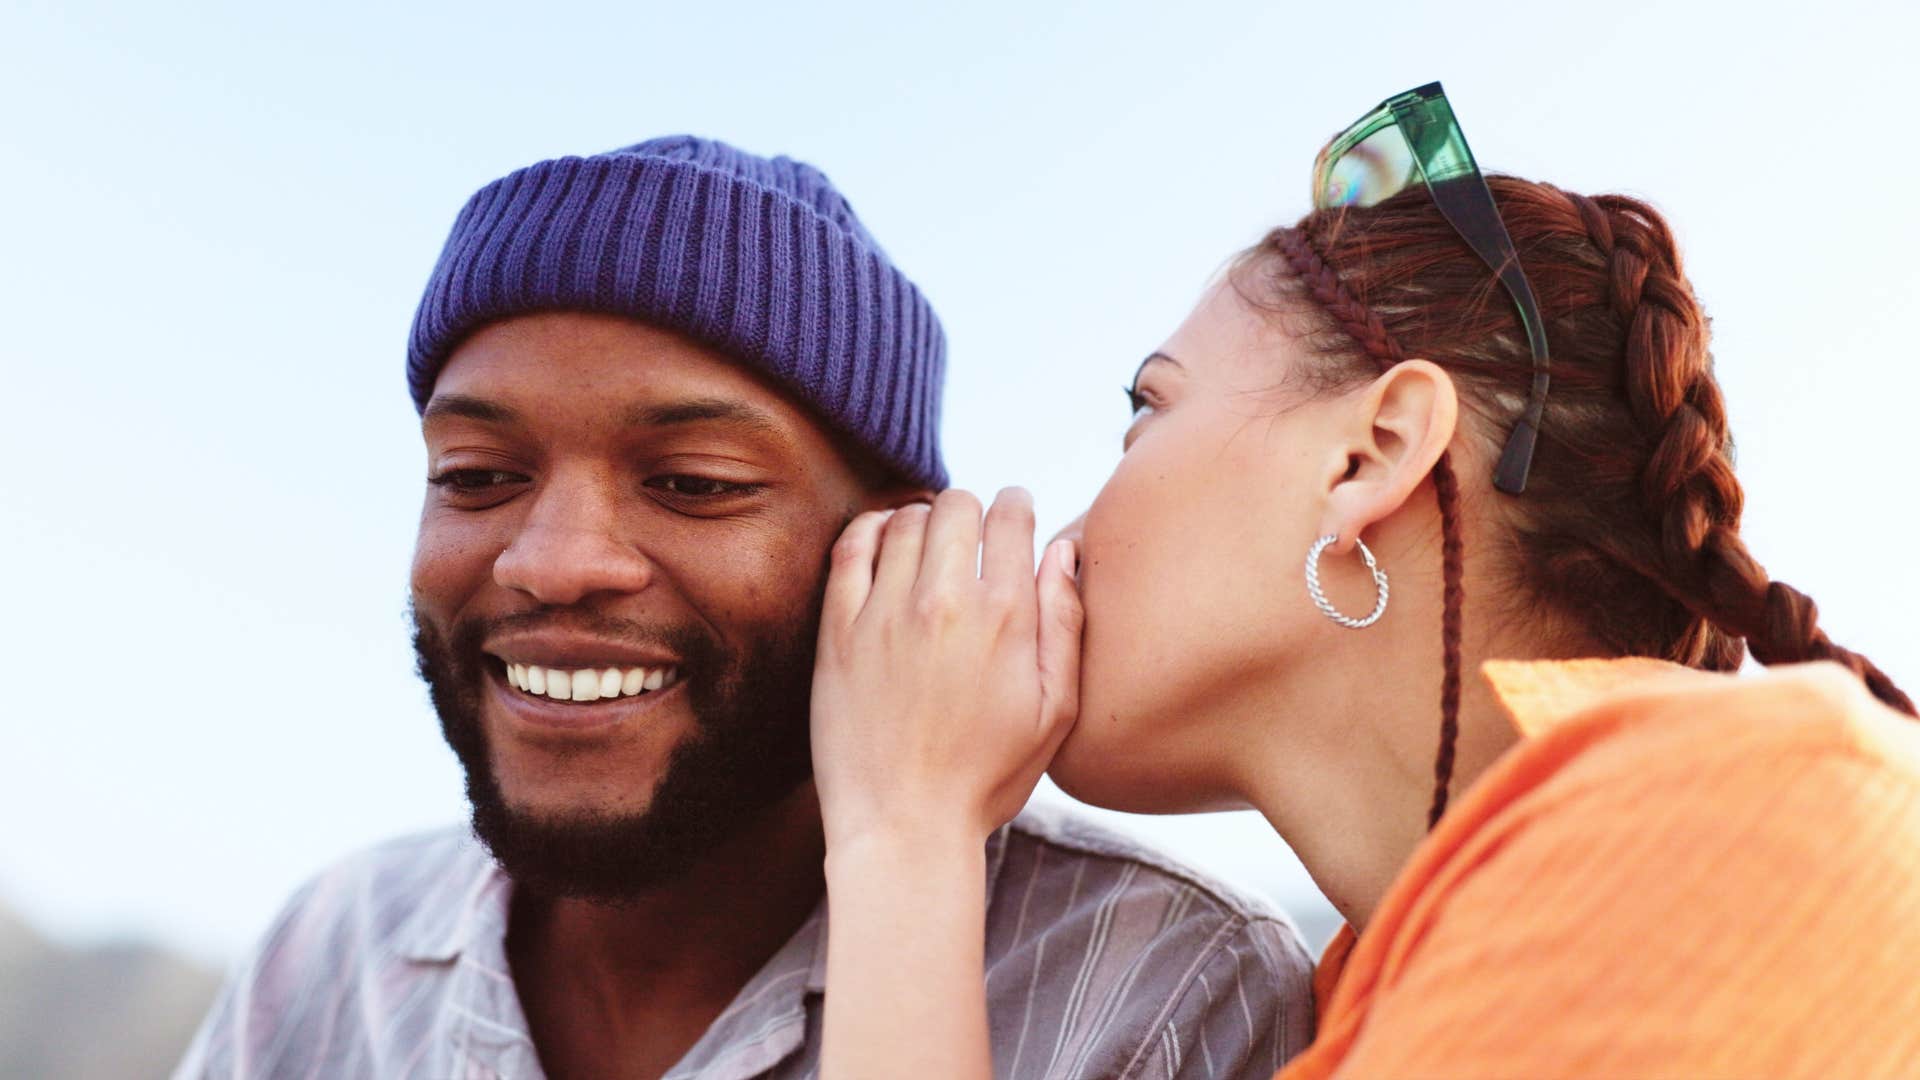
x: 1117, y: 772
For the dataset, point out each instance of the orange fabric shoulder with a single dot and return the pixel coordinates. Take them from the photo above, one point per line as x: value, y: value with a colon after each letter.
x: 1678, y: 873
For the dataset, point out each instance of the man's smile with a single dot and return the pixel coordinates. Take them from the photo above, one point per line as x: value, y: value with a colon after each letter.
x: 571, y: 700
x: 588, y: 684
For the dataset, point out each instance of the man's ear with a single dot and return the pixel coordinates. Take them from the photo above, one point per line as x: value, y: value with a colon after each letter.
x: 1399, y: 428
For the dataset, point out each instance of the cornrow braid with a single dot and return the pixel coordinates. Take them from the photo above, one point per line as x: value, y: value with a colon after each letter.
x: 1689, y: 487
x: 1360, y: 323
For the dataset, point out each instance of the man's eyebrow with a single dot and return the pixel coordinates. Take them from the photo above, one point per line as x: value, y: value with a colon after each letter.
x: 1151, y: 357
x: 704, y: 411
x: 692, y: 411
x: 473, y: 408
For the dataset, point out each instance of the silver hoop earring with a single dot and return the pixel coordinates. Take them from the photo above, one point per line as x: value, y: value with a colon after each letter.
x: 1320, y: 598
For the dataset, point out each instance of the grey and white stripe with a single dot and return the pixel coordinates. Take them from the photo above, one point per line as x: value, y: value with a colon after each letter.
x: 1103, y: 960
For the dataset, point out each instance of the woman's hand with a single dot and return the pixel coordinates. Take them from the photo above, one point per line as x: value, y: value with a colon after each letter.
x: 941, y: 691
x: 946, y: 677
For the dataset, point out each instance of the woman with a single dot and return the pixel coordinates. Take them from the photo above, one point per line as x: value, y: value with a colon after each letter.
x: 1618, y: 860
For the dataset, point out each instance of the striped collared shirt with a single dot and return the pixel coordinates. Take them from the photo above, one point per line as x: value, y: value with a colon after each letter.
x: 1103, y: 960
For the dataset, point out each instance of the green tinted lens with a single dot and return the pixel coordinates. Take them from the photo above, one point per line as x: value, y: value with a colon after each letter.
x: 1369, y: 171
x: 1427, y: 121
x: 1413, y: 138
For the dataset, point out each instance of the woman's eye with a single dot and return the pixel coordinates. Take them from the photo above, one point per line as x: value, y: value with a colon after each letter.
x: 700, y: 487
x: 1137, y: 402
x: 473, y: 480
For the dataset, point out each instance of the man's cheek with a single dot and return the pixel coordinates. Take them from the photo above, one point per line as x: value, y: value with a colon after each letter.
x: 452, y: 554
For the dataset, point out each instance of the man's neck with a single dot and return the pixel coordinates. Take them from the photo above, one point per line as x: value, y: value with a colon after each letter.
x: 627, y: 990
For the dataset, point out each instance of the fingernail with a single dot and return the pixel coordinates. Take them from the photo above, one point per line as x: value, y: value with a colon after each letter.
x: 1068, y: 555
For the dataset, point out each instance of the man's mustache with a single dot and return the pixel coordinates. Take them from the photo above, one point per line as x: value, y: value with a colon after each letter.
x: 696, y: 648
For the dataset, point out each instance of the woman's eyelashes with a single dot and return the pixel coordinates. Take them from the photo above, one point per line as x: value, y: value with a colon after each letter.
x: 1138, y: 400
x: 1144, y: 403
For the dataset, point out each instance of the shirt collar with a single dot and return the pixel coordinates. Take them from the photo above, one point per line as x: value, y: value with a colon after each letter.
x: 475, y: 898
x: 1540, y: 694
x: 470, y: 897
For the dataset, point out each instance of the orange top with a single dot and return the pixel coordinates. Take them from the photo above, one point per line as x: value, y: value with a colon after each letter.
x: 1674, y: 873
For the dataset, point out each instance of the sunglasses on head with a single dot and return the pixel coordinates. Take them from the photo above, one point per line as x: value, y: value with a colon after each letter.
x: 1413, y: 137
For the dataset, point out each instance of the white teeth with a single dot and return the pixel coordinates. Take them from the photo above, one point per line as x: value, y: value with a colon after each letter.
x: 587, y: 684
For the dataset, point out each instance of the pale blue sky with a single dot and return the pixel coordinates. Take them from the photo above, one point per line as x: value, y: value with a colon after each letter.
x: 215, y: 220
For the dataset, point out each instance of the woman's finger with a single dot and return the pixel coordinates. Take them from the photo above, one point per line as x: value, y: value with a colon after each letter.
x: 1061, y: 620
x: 1008, y: 556
x: 900, y: 544
x: 850, y: 575
x: 952, y: 550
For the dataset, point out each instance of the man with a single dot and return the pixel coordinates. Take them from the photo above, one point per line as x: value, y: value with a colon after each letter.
x: 654, y: 385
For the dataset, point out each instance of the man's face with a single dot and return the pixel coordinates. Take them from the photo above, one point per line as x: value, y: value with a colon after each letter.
x: 620, y: 508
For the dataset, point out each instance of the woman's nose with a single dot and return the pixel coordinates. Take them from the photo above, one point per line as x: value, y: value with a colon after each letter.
x: 1071, y: 530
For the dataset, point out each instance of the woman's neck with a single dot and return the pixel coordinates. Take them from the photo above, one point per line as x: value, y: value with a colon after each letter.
x: 1349, y: 781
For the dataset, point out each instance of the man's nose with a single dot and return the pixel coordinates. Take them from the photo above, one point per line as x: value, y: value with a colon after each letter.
x: 570, y: 547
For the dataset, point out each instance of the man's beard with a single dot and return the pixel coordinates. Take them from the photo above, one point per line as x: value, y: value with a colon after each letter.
x: 750, y: 751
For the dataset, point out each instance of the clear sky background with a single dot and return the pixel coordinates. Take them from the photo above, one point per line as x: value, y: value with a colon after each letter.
x: 215, y: 220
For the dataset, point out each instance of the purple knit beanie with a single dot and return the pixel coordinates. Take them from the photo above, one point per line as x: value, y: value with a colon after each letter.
x: 759, y: 258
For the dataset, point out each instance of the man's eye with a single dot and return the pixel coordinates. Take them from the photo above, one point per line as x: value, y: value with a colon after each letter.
x: 699, y: 487
x: 473, y: 480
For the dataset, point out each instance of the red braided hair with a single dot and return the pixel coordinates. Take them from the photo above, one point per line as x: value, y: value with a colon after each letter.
x: 1629, y: 528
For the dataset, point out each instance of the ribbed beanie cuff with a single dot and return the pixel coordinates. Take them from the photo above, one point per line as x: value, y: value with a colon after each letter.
x: 759, y: 258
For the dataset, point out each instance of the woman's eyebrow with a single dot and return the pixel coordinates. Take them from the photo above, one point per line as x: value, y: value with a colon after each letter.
x: 1151, y: 357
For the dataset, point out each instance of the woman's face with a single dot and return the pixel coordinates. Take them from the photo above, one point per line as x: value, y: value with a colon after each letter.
x: 1191, y: 561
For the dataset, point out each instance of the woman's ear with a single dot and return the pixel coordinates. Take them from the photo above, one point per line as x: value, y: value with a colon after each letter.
x: 1399, y: 428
